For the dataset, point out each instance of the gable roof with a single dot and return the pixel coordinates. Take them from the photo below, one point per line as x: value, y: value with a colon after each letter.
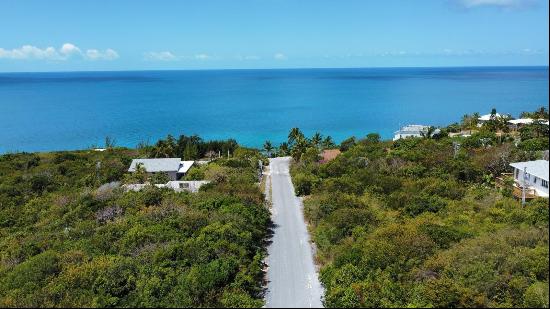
x: 157, y: 165
x: 527, y: 121
x: 488, y: 117
x: 185, y: 166
x: 538, y: 168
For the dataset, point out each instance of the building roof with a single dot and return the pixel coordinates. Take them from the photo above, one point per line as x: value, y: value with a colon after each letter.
x: 157, y: 165
x: 329, y: 155
x: 412, y: 129
x: 538, y: 168
x: 185, y: 166
x: 416, y: 129
x: 521, y: 121
x: 527, y: 121
x: 488, y: 117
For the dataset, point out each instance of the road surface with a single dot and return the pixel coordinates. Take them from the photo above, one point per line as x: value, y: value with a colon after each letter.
x: 292, y: 278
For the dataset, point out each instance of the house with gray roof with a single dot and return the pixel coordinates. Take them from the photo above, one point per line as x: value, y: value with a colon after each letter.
x: 413, y: 130
x: 533, y: 175
x: 175, y: 168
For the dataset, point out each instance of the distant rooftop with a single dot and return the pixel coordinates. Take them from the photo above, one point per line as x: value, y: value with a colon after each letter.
x: 157, y: 165
x: 527, y: 121
x: 412, y: 129
x: 488, y: 117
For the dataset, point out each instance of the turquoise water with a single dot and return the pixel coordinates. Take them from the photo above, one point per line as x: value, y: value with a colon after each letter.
x: 55, y: 111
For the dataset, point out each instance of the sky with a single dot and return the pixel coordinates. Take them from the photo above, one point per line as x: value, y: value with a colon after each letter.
x: 68, y: 35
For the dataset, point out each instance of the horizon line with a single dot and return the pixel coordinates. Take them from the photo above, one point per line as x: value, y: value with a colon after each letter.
x: 283, y: 68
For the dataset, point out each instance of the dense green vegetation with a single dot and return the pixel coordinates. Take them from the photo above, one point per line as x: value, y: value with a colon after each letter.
x: 70, y: 236
x: 414, y: 223
x: 189, y: 148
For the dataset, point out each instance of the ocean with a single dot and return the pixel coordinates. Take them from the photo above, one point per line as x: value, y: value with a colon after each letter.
x: 76, y: 110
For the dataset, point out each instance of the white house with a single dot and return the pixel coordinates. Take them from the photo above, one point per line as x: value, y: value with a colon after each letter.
x: 485, y: 118
x: 533, y: 175
x: 413, y: 130
x: 178, y: 186
x: 175, y: 168
x: 515, y: 124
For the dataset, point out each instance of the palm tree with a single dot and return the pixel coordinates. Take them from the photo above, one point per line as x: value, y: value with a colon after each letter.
x: 299, y: 148
x: 328, y: 143
x: 475, y: 119
x: 294, y: 135
x: 542, y: 113
x: 466, y: 121
x: 283, y: 149
x: 268, y: 147
x: 428, y: 133
x: 316, y: 139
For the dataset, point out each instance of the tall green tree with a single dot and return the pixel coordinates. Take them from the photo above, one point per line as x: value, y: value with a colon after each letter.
x: 294, y: 135
x: 317, y: 139
x: 268, y: 147
x: 328, y: 143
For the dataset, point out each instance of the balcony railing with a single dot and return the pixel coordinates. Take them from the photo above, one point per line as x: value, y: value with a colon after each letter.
x: 517, y: 189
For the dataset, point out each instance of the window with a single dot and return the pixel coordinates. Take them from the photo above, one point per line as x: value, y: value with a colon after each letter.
x: 535, y: 182
x: 545, y: 183
x: 517, y: 173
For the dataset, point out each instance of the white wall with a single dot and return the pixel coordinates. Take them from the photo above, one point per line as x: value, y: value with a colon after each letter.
x: 400, y: 136
x: 541, y: 191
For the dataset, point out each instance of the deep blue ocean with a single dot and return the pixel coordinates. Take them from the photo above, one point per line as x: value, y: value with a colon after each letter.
x: 59, y: 111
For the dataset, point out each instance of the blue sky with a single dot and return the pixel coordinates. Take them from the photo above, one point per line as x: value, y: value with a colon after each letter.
x: 67, y: 35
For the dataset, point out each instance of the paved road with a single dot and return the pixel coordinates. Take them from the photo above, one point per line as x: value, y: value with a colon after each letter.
x: 292, y: 278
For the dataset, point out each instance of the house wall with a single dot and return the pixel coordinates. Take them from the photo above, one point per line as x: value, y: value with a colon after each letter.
x: 532, y: 181
x: 400, y: 136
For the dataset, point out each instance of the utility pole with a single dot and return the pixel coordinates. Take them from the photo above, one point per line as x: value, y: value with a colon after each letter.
x: 523, y: 187
x: 97, y: 167
x: 456, y: 148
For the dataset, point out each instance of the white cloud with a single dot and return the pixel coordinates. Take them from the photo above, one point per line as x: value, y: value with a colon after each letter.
x: 108, y: 54
x: 496, y: 3
x: 280, y: 56
x: 169, y: 56
x: 29, y: 52
x: 248, y: 57
x: 67, y: 50
x: 202, y: 56
x: 160, y: 56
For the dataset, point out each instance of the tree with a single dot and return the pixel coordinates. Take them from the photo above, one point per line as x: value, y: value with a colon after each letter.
x: 294, y: 135
x: 373, y: 138
x: 328, y: 143
x: 138, y: 176
x: 268, y: 147
x: 159, y: 178
x: 191, y: 152
x: 540, y: 127
x: 284, y: 149
x: 428, y: 133
x: 316, y: 139
x: 299, y: 148
x: 347, y: 143
x: 109, y: 142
